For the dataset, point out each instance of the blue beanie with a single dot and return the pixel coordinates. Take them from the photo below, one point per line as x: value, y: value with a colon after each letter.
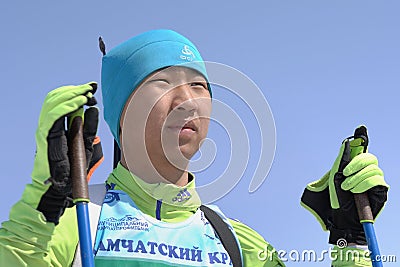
x: 128, y: 64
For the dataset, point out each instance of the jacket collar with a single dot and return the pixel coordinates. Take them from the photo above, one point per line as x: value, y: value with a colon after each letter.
x: 163, y: 201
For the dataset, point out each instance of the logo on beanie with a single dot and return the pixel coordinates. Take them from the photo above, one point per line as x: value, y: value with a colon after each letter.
x: 187, y: 54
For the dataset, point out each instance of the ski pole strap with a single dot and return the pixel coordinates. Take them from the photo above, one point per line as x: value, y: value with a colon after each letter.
x: 226, y: 236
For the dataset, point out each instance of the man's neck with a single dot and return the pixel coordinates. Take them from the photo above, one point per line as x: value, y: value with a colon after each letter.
x: 163, y: 174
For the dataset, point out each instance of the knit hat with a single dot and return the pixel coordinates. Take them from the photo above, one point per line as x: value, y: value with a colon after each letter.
x: 128, y: 64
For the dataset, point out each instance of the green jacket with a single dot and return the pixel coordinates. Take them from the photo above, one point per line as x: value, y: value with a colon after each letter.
x: 26, y: 239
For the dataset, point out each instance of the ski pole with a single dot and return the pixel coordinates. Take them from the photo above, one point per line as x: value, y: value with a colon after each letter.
x: 80, y: 190
x: 364, y: 209
x: 365, y: 215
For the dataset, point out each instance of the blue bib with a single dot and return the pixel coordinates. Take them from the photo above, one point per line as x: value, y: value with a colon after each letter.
x: 128, y: 237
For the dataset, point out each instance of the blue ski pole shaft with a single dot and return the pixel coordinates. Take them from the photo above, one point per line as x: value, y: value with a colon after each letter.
x: 80, y: 190
x: 366, y: 218
x: 85, y: 239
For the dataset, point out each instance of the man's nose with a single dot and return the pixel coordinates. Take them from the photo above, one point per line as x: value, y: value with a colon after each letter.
x: 184, y: 101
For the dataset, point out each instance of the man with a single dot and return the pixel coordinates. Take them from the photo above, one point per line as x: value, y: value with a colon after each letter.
x: 157, y: 103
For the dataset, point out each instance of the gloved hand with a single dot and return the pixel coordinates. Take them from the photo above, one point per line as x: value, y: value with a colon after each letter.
x: 331, y: 198
x: 52, y: 186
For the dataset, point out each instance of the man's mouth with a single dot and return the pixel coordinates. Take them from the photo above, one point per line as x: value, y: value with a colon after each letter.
x: 184, y: 127
x: 190, y: 125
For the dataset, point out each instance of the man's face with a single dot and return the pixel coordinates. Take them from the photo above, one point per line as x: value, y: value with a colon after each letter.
x: 167, y: 116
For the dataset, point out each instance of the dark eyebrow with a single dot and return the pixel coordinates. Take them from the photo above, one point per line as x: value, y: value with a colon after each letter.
x: 199, y: 78
x: 160, y: 79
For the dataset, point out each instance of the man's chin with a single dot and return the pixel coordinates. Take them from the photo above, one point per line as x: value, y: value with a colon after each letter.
x: 179, y: 158
x: 188, y: 150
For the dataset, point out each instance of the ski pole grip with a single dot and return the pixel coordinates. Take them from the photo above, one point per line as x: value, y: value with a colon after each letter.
x: 78, y: 165
x: 363, y: 207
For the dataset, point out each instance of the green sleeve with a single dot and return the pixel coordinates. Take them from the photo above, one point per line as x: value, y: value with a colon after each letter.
x: 256, y: 251
x: 26, y: 239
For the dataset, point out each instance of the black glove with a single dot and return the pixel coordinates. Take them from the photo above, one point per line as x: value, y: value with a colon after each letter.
x: 331, y: 199
x: 59, y: 195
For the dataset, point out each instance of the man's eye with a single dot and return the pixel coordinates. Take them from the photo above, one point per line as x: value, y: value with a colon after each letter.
x: 203, y: 85
x: 160, y: 81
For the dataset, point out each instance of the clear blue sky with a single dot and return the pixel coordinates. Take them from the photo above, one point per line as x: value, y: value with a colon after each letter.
x: 324, y: 66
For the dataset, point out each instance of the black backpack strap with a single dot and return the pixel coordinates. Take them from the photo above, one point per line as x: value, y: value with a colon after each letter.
x: 225, y: 234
